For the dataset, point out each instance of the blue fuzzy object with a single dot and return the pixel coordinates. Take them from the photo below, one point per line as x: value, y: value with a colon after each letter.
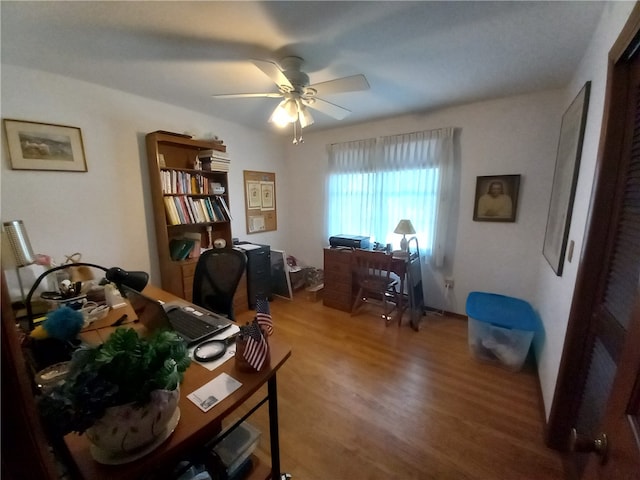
x: 64, y: 323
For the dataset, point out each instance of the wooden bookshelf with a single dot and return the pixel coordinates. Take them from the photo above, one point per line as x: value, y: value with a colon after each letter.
x: 185, y: 204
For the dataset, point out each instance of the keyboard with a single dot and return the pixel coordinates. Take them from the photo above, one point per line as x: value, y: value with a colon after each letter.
x: 193, y: 327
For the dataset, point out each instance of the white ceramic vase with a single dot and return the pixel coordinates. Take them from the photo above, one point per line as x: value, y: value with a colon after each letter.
x: 125, y: 429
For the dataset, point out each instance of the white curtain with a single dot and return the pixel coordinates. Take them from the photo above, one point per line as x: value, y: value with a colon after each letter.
x: 374, y: 183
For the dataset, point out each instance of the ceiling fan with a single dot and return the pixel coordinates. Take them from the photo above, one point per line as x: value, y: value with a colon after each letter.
x: 297, y: 94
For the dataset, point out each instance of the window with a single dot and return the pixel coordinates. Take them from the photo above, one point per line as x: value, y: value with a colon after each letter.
x: 374, y: 183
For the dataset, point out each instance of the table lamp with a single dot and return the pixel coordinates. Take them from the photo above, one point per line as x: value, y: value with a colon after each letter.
x: 405, y: 228
x: 20, y: 246
x: 133, y: 279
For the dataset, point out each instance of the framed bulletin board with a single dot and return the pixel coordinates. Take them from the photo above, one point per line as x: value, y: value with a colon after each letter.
x: 260, y: 201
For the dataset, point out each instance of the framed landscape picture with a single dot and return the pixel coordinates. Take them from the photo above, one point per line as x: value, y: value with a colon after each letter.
x: 496, y: 198
x: 565, y: 179
x: 44, y: 146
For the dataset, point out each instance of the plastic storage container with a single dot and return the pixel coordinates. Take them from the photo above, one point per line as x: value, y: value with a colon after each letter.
x: 501, y: 328
x: 234, y: 449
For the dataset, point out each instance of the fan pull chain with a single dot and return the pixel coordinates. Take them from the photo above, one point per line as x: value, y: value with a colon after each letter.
x: 297, y: 139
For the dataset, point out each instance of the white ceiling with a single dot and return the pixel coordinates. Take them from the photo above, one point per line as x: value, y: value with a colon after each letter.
x: 417, y: 56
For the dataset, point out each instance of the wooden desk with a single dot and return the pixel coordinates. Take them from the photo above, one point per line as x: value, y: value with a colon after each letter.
x: 339, y: 289
x: 195, y: 427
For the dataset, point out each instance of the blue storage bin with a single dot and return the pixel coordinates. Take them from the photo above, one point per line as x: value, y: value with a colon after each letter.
x: 501, y: 328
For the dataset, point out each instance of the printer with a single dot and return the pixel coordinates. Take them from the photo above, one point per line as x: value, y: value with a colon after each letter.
x: 349, y: 241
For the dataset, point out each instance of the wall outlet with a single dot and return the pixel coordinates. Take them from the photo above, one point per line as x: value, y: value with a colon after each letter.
x: 448, y: 283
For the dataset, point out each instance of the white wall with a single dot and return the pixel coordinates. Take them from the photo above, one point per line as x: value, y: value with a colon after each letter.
x: 553, y: 293
x: 516, y: 135
x: 105, y: 213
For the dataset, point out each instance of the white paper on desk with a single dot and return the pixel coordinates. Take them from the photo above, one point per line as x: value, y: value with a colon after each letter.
x: 248, y: 246
x: 214, y: 392
x: 231, y: 349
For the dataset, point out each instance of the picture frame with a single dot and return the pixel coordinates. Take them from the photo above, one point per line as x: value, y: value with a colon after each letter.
x: 496, y: 198
x: 565, y: 179
x: 254, y: 196
x: 44, y: 146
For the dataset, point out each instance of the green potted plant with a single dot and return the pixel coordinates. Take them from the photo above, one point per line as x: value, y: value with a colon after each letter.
x: 123, y: 393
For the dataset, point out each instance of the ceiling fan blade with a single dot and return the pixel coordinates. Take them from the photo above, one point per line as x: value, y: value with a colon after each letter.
x: 327, y: 108
x: 353, y: 83
x: 272, y: 71
x: 248, y: 95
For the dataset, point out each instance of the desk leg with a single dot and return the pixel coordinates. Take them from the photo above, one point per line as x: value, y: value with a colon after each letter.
x: 273, y: 427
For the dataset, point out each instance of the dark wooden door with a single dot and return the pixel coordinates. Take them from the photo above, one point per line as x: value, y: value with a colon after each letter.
x: 621, y: 423
x: 609, y: 410
x: 598, y: 393
x: 618, y: 313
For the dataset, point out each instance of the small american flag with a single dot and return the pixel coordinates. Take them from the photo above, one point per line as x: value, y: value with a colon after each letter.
x: 256, y: 350
x: 263, y: 315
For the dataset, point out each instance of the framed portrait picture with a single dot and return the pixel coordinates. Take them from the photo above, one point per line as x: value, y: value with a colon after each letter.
x: 496, y: 198
x: 565, y: 179
x: 44, y: 146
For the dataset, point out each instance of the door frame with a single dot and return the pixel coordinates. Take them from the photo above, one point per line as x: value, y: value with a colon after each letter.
x: 575, y: 356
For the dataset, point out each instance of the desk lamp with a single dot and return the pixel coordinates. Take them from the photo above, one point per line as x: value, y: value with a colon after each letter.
x: 21, y: 248
x: 405, y: 228
x: 135, y: 280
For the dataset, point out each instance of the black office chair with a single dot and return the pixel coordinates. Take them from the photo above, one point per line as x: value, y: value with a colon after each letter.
x: 218, y: 273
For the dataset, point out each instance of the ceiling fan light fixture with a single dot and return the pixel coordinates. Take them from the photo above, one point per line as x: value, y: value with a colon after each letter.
x: 280, y: 116
x: 304, y: 116
x: 286, y: 112
x: 291, y: 109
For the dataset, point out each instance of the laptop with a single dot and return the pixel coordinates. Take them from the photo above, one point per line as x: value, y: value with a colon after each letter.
x: 192, y: 323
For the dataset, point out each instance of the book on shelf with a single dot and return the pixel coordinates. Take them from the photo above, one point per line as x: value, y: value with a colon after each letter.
x: 180, y: 248
x: 178, y: 205
x: 213, y: 154
x: 224, y: 206
x: 218, y: 211
x: 172, y: 214
x: 193, y: 208
x: 201, y: 213
x: 197, y: 241
x: 211, y: 213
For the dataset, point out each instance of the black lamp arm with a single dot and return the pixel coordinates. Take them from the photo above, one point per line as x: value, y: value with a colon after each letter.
x: 136, y: 280
x: 45, y: 274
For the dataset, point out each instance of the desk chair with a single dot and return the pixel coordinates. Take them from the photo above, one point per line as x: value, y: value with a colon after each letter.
x: 373, y: 277
x: 218, y: 273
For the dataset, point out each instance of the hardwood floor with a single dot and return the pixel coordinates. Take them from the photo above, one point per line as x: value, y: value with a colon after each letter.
x: 359, y: 400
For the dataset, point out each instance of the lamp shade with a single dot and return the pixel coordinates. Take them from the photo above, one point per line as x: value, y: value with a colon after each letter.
x: 19, y: 242
x: 135, y: 279
x: 405, y: 227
